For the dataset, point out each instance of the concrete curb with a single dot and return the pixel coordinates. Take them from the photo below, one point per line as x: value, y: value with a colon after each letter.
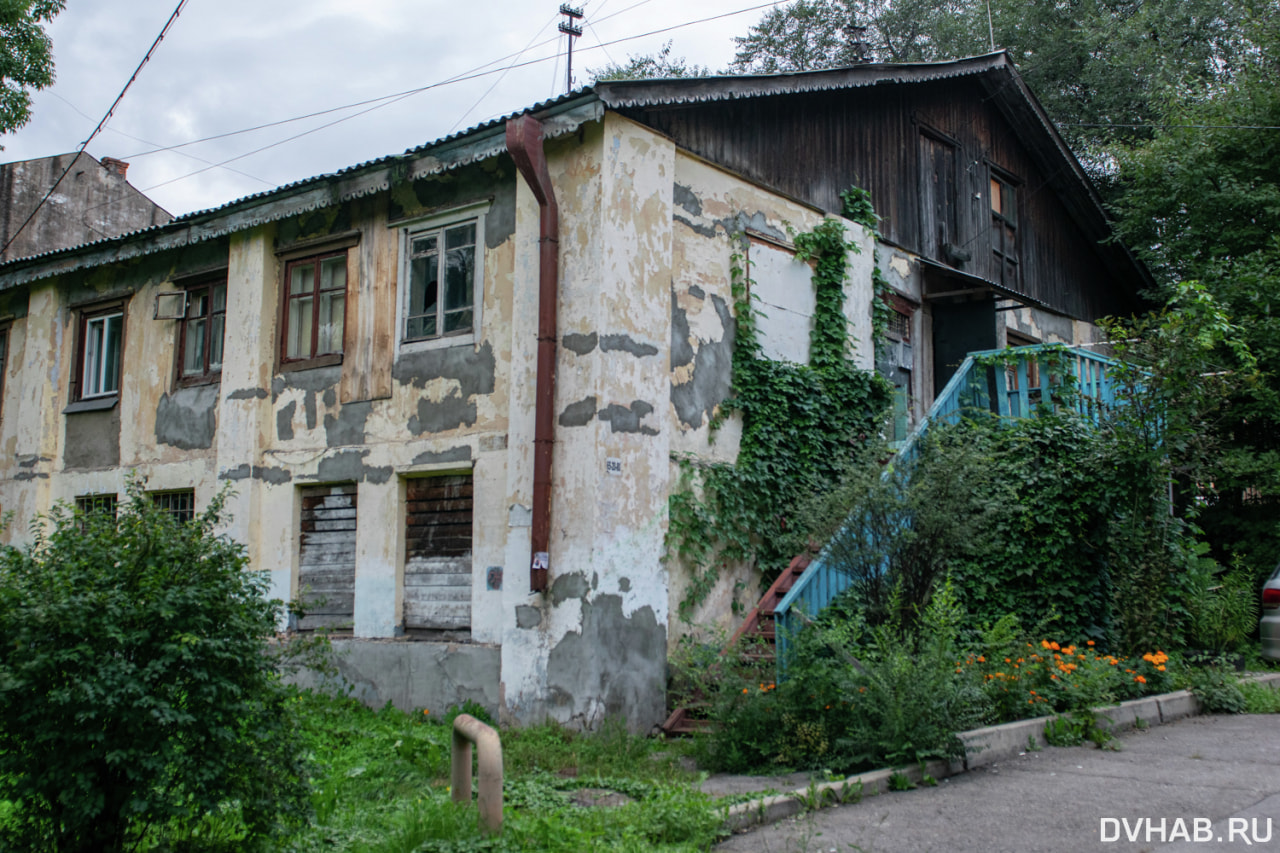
x: 982, y: 747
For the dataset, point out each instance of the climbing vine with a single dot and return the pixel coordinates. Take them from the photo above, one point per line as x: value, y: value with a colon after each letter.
x: 855, y: 205
x: 801, y: 424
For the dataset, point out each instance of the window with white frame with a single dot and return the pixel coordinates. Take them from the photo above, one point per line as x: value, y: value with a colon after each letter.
x: 101, y: 336
x: 441, y: 276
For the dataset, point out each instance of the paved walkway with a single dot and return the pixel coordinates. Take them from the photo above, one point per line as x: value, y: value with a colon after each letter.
x: 1223, y: 771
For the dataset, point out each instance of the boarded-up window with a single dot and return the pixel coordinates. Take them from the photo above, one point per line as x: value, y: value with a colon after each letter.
x: 782, y: 291
x: 437, y: 553
x: 327, y: 557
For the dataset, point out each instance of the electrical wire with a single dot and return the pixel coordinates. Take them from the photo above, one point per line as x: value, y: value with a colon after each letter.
x: 83, y: 145
x: 472, y: 74
x: 387, y: 100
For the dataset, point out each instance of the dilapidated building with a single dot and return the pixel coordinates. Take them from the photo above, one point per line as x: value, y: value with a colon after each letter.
x: 448, y: 385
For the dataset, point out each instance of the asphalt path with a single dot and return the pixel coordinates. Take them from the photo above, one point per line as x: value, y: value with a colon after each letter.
x: 1207, y: 783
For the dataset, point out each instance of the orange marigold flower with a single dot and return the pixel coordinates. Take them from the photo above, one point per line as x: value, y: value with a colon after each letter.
x: 1044, y: 643
x: 1090, y: 642
x: 1141, y: 680
x: 1160, y: 667
x: 1054, y: 646
x: 745, y: 690
x: 981, y: 659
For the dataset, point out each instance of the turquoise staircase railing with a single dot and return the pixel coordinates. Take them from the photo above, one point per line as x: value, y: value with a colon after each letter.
x: 1019, y: 382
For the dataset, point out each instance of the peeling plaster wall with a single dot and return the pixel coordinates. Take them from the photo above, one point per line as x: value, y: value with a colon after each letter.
x: 595, y: 644
x: 709, y: 205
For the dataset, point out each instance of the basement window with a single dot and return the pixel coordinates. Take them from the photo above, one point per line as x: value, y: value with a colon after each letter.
x: 441, y: 277
x: 327, y: 557
x: 180, y: 504
x: 94, y: 504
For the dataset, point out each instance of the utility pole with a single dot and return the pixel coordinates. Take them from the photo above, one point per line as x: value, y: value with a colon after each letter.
x: 570, y: 29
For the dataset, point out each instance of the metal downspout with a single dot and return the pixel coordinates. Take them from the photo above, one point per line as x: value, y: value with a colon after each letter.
x: 524, y: 142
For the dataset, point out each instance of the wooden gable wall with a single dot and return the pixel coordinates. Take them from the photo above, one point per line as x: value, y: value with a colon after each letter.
x: 815, y: 145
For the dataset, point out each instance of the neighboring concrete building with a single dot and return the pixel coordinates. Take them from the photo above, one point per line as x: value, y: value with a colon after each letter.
x: 92, y: 201
x: 448, y: 385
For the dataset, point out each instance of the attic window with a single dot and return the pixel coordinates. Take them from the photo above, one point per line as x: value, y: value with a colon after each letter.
x: 1004, y: 229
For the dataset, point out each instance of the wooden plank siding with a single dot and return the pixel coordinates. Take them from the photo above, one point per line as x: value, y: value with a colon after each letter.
x: 437, y: 552
x: 327, y: 557
x: 814, y: 145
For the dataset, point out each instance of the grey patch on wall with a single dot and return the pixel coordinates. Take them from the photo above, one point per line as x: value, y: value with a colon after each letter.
x: 624, y: 584
x: 411, y: 675
x: 284, y: 421
x: 615, y: 660
x: 1051, y: 326
x: 188, y: 418
x: 348, y: 467
x: 579, y: 343
x: 248, y: 394
x: 572, y: 585
x: 265, y: 473
x: 472, y: 369
x: 685, y: 197
x: 329, y: 397
x: 500, y: 221
x: 493, y: 443
x: 528, y: 617
x: 92, y: 439
x: 453, y: 454
x: 625, y: 343
x: 681, y: 349
x: 311, y: 381
x: 712, y: 372
x: 697, y: 292
x: 29, y: 462
x: 579, y: 413
x: 450, y: 413
x: 627, y: 418
x: 704, y: 230
x: 348, y: 426
x: 309, y: 408
x: 23, y: 476
x: 758, y: 223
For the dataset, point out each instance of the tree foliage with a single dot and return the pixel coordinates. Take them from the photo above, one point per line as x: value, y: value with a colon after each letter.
x: 648, y: 66
x: 26, y: 56
x: 137, y: 690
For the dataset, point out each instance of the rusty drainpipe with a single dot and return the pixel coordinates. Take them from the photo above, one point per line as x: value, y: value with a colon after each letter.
x: 524, y: 142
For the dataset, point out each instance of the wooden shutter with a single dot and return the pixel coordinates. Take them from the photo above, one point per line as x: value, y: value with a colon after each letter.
x: 327, y: 557
x: 437, y: 553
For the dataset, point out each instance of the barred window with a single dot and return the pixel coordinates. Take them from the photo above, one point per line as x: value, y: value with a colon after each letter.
x: 88, y: 504
x: 181, y: 504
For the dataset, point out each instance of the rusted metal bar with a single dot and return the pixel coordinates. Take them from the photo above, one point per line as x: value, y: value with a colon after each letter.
x: 524, y: 142
x: 466, y: 731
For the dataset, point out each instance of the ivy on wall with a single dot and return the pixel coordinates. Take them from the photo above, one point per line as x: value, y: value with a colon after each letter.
x: 801, y: 424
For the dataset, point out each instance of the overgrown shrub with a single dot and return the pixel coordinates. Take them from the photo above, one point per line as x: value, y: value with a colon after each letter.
x: 138, y: 698
x: 854, y: 697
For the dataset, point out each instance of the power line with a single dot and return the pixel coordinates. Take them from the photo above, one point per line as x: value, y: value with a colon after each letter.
x: 83, y: 145
x: 387, y: 100
x: 474, y: 73
x: 1177, y: 126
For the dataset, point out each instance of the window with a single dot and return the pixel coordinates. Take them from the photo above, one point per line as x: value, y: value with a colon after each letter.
x: 437, y: 553
x: 179, y: 504
x: 315, y: 306
x: 781, y: 288
x: 327, y: 557
x: 1004, y: 230
x: 98, y: 353
x: 90, y: 504
x: 201, y: 332
x: 441, y: 277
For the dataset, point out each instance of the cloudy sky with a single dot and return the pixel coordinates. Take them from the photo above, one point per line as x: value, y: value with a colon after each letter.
x: 230, y: 65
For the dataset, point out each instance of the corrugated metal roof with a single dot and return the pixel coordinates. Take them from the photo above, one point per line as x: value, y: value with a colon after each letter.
x: 561, y: 115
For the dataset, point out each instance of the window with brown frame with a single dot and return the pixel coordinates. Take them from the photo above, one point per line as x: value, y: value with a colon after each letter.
x: 99, y: 347
x: 201, y: 332
x: 315, y: 303
x: 1004, y: 229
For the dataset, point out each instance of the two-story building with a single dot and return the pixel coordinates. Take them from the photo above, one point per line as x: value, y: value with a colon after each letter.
x: 447, y: 386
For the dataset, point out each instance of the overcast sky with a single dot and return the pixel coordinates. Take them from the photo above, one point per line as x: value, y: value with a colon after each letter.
x: 228, y: 65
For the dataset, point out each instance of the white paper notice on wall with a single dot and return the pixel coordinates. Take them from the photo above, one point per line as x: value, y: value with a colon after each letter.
x: 613, y: 465
x: 782, y: 291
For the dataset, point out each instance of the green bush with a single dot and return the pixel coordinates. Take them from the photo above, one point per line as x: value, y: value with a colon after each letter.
x: 138, y: 698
